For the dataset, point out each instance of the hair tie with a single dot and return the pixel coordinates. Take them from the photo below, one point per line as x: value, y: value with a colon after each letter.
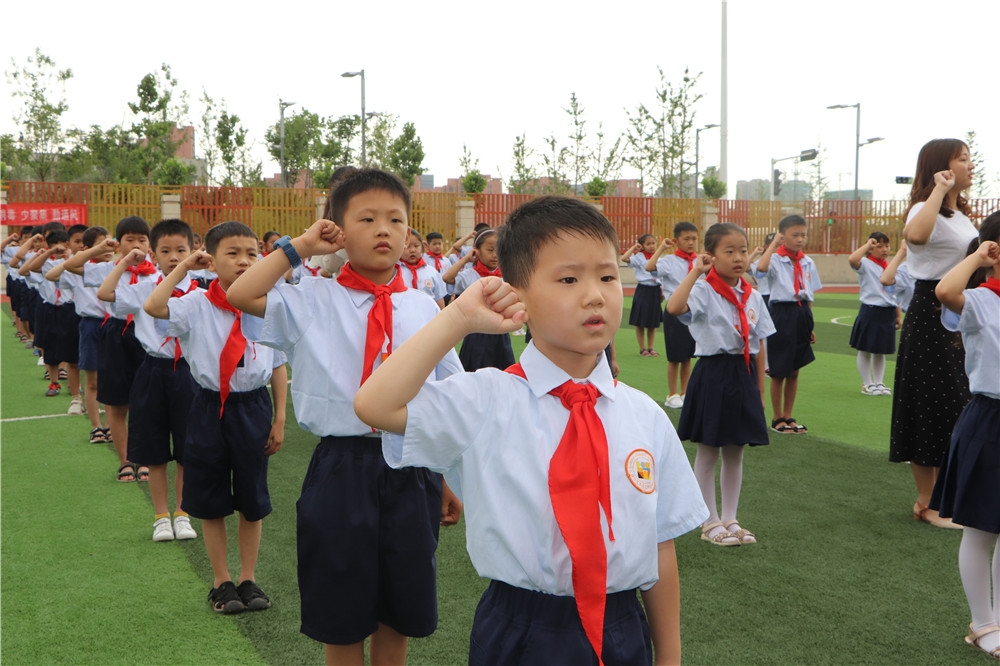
x: 482, y: 234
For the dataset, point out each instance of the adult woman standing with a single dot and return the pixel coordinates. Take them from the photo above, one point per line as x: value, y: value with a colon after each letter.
x: 931, y: 385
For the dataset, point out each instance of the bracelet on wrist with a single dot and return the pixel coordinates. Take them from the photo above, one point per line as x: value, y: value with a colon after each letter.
x: 285, y: 245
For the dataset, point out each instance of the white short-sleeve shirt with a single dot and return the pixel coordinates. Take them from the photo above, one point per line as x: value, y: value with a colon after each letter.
x: 322, y: 326
x: 945, y: 248
x: 149, y: 331
x: 670, y: 271
x: 203, y: 330
x: 496, y: 433
x: 781, y: 279
x: 466, y: 276
x: 637, y: 262
x: 715, y: 322
x: 903, y: 289
x: 979, y: 325
x: 428, y: 280
x: 870, y: 290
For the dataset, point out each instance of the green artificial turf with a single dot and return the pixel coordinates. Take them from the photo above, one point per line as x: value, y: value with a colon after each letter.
x: 842, y: 574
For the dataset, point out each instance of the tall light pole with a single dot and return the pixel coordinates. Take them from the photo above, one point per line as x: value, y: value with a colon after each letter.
x: 282, y: 105
x: 724, y: 110
x: 364, y: 155
x: 857, y: 139
x: 697, y: 131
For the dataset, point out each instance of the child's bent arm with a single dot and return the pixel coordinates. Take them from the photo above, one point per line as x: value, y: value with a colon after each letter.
x: 859, y: 254
x: 452, y: 273
x: 156, y: 304
x: 663, y: 606
x: 888, y: 276
x: 950, y: 290
x: 764, y: 264
x: 489, y: 305
x: 678, y: 303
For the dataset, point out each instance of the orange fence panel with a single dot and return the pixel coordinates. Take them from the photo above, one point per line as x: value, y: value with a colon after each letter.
x: 109, y: 203
x: 493, y: 209
x: 435, y: 211
x: 205, y: 207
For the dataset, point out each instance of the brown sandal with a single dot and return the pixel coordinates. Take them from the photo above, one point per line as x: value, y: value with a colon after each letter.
x: 974, y: 637
x: 718, y: 539
x: 745, y: 536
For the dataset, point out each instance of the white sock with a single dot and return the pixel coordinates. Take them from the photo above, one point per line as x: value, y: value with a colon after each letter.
x: 704, y: 473
x: 878, y: 368
x: 974, y: 567
x: 731, y: 480
x: 865, y: 367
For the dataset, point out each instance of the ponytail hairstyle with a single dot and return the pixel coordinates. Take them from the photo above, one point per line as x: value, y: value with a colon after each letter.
x: 990, y: 231
x: 718, y: 231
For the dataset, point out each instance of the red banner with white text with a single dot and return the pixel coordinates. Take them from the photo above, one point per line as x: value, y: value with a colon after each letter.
x: 32, y: 214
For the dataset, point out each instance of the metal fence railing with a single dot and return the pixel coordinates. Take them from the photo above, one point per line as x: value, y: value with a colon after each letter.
x: 835, y: 227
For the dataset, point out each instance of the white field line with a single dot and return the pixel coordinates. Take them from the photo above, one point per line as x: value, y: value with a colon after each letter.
x: 838, y: 323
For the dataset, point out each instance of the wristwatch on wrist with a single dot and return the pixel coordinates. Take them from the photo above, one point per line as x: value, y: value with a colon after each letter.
x: 285, y: 245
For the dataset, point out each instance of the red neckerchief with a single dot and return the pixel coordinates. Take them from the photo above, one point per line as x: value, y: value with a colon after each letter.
x: 145, y: 268
x: 483, y: 271
x: 688, y: 257
x: 177, y: 293
x: 728, y: 293
x: 992, y: 284
x: 648, y: 255
x: 235, y: 345
x: 414, y: 268
x: 314, y: 271
x: 437, y: 260
x: 796, y: 258
x: 579, y: 488
x: 878, y: 262
x: 379, y: 317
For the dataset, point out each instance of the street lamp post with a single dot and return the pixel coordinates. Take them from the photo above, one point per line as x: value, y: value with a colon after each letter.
x: 857, y: 139
x: 364, y: 116
x: 697, y: 131
x: 282, y: 105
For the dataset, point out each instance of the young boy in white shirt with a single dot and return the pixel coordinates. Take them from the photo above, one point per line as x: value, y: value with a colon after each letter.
x: 162, y: 389
x: 366, y: 533
x: 574, y: 485
x: 230, y: 430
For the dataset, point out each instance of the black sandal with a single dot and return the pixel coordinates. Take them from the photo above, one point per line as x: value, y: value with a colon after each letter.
x: 126, y: 470
x: 142, y: 473
x: 796, y: 428
x: 225, y: 600
x: 781, y: 426
x: 252, y: 596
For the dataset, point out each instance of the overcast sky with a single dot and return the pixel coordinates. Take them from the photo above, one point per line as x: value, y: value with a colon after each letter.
x: 483, y: 73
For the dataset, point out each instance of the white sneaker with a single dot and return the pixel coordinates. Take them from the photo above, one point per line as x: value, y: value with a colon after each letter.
x: 162, y: 530
x: 41, y: 361
x: 183, y: 529
x: 882, y: 389
x: 682, y: 400
x: 674, y: 402
x: 868, y: 389
x: 75, y: 406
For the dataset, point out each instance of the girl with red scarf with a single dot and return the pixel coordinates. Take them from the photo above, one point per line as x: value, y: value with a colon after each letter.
x: 724, y: 409
x: 481, y: 350
x: 874, y: 331
x: 966, y: 489
x: 646, y: 313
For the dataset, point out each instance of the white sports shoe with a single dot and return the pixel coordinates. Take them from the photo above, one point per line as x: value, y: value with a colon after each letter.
x: 41, y: 361
x: 674, y: 402
x: 882, y: 389
x: 869, y: 389
x: 162, y: 531
x: 75, y: 406
x: 183, y: 529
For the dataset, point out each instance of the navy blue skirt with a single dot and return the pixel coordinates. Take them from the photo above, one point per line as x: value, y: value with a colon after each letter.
x: 968, y: 484
x: 874, y: 329
x: 680, y: 344
x: 723, y: 406
x: 646, y: 309
x: 486, y: 350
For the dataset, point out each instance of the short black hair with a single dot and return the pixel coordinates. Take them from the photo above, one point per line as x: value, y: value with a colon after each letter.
x: 93, y: 234
x: 56, y: 236
x: 49, y: 227
x: 26, y: 232
x: 434, y: 235
x: 268, y: 234
x: 77, y: 229
x: 482, y: 226
x: 360, y: 181
x: 642, y: 238
x: 681, y: 227
x: 171, y: 227
x: 539, y: 221
x: 988, y: 231
x: 791, y: 221
x: 225, y: 230
x: 718, y: 231
x: 133, y: 224
x: 416, y: 234
x: 880, y: 237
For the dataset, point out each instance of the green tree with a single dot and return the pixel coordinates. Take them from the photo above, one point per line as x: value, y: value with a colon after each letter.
x: 381, y: 133
x: 525, y: 175
x: 980, y: 187
x: 577, y: 154
x: 159, y: 109
x: 638, y: 138
x: 713, y: 187
x: 40, y: 89
x: 406, y: 154
x: 596, y: 187
x: 174, y: 172
x: 554, y: 160
x: 473, y: 181
x: 303, y: 141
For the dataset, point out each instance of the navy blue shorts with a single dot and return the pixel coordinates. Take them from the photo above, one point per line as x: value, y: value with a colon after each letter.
x: 89, y: 334
x: 120, y: 356
x: 366, y: 540
x: 518, y: 626
x: 677, y: 337
x: 158, y: 411
x: 13, y: 293
x: 45, y: 322
x: 64, y: 338
x: 29, y: 298
x: 789, y: 348
x: 225, y: 468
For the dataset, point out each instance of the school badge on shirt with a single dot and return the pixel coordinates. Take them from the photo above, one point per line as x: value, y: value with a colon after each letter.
x: 641, y: 470
x: 752, y: 316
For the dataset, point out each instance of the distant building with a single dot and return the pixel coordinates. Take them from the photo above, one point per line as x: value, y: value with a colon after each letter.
x: 847, y: 195
x: 757, y: 189
x: 426, y: 184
